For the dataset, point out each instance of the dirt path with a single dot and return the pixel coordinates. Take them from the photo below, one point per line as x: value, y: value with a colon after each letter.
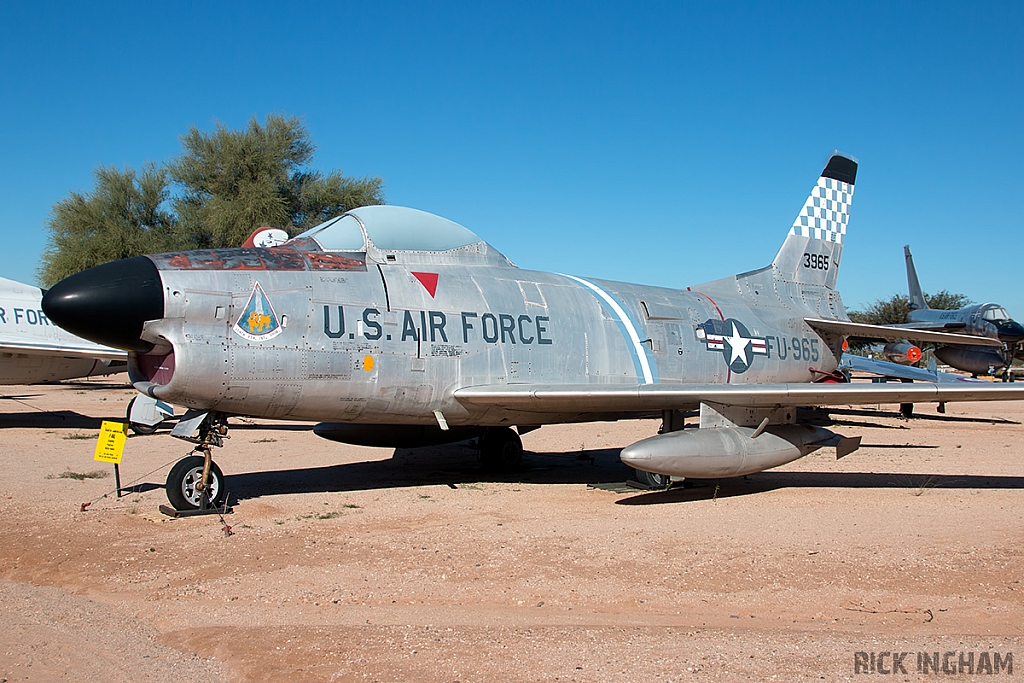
x: 359, y: 564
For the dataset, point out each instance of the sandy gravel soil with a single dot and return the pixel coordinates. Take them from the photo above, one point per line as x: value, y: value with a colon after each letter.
x: 359, y: 564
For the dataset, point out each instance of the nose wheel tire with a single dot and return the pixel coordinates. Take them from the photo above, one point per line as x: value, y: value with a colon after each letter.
x: 501, y: 449
x: 183, y: 484
x: 138, y: 427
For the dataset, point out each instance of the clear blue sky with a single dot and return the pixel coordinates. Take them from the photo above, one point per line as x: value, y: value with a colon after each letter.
x: 663, y: 143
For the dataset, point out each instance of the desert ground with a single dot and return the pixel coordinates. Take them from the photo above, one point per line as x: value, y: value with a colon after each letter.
x: 342, y: 563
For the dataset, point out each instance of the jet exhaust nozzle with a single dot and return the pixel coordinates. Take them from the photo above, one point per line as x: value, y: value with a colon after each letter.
x: 725, y: 451
x: 108, y: 304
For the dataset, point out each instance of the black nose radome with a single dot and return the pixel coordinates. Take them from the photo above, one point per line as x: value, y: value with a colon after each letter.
x: 1011, y: 330
x: 108, y: 304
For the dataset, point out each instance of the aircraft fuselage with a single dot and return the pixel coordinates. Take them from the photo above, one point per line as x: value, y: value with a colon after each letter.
x: 390, y: 344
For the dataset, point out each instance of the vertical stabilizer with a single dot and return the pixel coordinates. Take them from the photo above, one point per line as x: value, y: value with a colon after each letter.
x: 917, y: 302
x: 812, y: 250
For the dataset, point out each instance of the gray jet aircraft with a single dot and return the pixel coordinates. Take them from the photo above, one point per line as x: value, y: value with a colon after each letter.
x: 990, y: 321
x: 33, y: 350
x: 394, y: 327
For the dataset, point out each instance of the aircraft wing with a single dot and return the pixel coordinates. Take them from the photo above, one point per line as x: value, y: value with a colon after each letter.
x: 896, y: 333
x: 43, y: 349
x: 587, y: 398
x: 938, y: 327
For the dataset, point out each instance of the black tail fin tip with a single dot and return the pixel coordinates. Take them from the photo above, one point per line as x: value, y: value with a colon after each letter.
x: 842, y: 168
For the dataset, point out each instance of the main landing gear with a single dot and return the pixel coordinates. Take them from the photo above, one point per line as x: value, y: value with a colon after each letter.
x: 500, y: 448
x: 195, y: 484
x: 652, y: 481
x: 1009, y: 353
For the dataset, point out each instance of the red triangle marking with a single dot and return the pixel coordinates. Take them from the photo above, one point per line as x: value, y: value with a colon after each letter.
x: 429, y: 282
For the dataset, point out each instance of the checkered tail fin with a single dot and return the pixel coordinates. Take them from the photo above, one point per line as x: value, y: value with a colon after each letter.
x: 814, y: 245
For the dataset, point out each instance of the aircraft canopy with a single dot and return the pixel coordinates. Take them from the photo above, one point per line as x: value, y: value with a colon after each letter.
x: 994, y: 313
x: 391, y: 228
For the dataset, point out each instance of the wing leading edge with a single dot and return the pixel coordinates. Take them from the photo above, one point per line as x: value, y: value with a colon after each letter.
x: 655, y: 397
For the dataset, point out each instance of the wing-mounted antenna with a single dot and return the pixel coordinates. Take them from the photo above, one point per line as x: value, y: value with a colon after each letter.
x: 917, y: 302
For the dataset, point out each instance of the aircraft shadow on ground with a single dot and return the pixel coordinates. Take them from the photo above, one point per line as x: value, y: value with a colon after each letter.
x: 843, y: 424
x: 458, y: 466
x: 936, y: 417
x: 277, y: 427
x: 59, y: 419
x: 453, y: 466
x: 17, y: 398
x: 762, y: 482
x: 97, y: 385
x: 141, y: 488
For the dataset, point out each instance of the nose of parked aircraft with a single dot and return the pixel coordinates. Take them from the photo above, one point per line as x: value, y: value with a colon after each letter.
x: 108, y: 304
x: 1011, y: 331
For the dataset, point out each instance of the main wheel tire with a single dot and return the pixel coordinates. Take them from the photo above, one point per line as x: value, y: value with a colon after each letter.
x: 138, y: 428
x: 501, y: 449
x: 657, y: 482
x: 182, y: 481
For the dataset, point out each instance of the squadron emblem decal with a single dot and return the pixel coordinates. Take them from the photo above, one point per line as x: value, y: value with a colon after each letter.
x: 258, y: 321
x: 731, y: 337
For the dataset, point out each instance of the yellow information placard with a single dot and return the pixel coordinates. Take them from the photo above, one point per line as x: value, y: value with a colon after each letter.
x: 110, y: 446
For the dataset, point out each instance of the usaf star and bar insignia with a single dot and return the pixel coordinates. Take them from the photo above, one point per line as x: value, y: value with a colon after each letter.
x: 737, y: 345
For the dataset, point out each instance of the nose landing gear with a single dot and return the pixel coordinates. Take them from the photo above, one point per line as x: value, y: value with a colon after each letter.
x: 190, y: 486
x: 195, y: 485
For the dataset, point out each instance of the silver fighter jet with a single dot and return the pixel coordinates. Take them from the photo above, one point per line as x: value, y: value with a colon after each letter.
x: 990, y: 321
x: 394, y: 327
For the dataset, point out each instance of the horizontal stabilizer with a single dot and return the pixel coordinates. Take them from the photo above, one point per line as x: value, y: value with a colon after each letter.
x: 884, y: 332
x: 883, y: 368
